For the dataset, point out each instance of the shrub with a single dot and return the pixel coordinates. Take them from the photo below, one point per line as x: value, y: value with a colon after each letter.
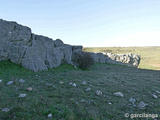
x: 83, y: 60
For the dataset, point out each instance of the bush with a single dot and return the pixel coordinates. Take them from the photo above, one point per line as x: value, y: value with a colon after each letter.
x: 83, y: 60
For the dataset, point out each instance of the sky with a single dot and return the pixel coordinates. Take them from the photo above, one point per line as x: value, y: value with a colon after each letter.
x: 91, y: 23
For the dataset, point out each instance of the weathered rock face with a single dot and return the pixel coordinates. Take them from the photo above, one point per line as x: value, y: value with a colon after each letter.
x: 32, y: 51
x: 128, y: 59
x: 123, y: 59
x: 35, y: 52
x: 11, y: 36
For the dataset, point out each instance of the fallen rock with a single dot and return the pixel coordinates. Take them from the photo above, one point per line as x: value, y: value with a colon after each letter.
x: 22, y: 95
x: 98, y: 92
x: 50, y: 115
x: 84, y: 83
x: 109, y: 103
x: 119, y: 94
x: 29, y: 89
x: 142, y: 105
x: 21, y: 81
x: 10, y: 82
x: 73, y: 84
x: 5, y: 109
x: 88, y: 89
x: 157, y: 91
x: 154, y: 96
x: 132, y: 100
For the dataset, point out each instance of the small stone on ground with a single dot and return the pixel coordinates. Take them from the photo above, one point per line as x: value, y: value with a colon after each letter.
x: 29, y: 89
x: 21, y: 81
x: 142, y: 105
x: 22, y: 95
x: 110, y: 103
x: 88, y: 89
x: 154, y: 96
x: 50, y: 115
x: 84, y: 82
x: 98, y: 92
x: 132, y: 100
x: 10, y: 82
x: 5, y: 109
x: 119, y: 94
x: 157, y: 91
x: 73, y: 84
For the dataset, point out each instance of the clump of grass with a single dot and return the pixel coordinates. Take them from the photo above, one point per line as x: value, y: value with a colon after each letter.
x: 58, y: 112
x: 9, y: 69
x: 65, y: 101
x: 63, y: 68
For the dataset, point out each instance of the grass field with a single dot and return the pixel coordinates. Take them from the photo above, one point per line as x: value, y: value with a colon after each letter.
x: 52, y: 92
x: 150, y: 56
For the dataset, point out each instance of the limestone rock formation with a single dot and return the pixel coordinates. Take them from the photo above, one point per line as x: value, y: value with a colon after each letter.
x: 35, y: 52
x: 128, y: 59
x: 123, y: 59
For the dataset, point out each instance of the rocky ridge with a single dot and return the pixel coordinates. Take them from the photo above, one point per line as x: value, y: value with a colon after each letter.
x: 37, y: 53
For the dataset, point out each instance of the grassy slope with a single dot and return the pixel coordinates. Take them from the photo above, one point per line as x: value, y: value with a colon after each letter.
x: 64, y: 101
x: 150, y: 55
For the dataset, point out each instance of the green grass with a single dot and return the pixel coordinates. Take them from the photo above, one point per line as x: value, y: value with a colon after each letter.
x: 150, y: 56
x: 64, y: 100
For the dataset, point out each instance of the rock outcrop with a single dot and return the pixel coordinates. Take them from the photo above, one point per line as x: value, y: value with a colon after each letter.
x: 123, y: 59
x: 128, y: 59
x: 35, y: 52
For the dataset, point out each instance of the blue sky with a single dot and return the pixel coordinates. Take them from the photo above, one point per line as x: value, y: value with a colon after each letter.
x: 91, y: 23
